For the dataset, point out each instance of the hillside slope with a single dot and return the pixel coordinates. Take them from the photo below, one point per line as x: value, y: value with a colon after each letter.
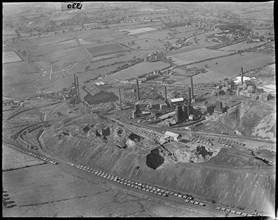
x: 228, y: 178
x: 252, y: 118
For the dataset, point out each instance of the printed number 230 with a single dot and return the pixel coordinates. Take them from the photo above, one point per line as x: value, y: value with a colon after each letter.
x: 75, y: 6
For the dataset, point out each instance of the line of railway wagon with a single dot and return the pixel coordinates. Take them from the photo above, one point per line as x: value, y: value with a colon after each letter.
x: 152, y: 189
x: 138, y: 185
x: 33, y: 154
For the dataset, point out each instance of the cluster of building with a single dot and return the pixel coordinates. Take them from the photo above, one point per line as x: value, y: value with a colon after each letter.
x: 224, y: 88
x: 180, y: 108
x: 216, y: 108
x: 248, y: 88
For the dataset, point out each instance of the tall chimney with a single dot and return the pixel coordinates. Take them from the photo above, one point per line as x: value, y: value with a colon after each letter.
x: 137, y: 90
x: 189, y: 95
x: 189, y: 101
x: 120, y: 97
x: 165, y: 91
x: 77, y: 86
x: 241, y: 75
x: 191, y: 79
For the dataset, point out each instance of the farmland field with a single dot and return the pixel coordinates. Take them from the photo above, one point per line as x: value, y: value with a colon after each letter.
x: 231, y: 65
x: 138, y: 70
x: 240, y: 46
x: 13, y: 159
x: 210, y: 76
x: 140, y: 30
x: 10, y: 57
x: 155, y: 35
x: 106, y: 49
x: 196, y: 55
x: 146, y: 44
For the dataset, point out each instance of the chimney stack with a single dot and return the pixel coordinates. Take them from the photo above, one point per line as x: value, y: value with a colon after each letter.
x: 189, y: 95
x: 120, y: 97
x: 75, y: 87
x: 241, y: 75
x: 192, y: 94
x: 165, y: 91
x: 137, y: 89
x: 76, y: 84
x: 189, y: 101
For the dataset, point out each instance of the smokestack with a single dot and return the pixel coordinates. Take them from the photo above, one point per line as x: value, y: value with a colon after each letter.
x: 120, y: 97
x: 192, y: 94
x: 189, y: 95
x: 137, y: 90
x: 241, y: 75
x: 189, y: 101
x: 74, y: 77
x: 77, y: 86
x: 165, y: 93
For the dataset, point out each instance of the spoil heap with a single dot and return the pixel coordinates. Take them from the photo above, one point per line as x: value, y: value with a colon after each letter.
x: 226, y: 178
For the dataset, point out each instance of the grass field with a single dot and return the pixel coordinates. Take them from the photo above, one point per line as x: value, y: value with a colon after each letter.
x: 140, y: 30
x: 48, y: 191
x: 196, y: 55
x: 231, y: 65
x: 155, y: 35
x: 13, y: 159
x: 138, y: 70
x: 10, y: 57
x: 106, y: 49
x: 146, y: 44
x: 240, y: 46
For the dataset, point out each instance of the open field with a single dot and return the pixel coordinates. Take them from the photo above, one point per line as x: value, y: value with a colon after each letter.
x: 103, y: 35
x: 140, y: 30
x: 13, y: 159
x: 19, y: 79
x: 234, y: 63
x: 210, y: 76
x: 106, y: 49
x: 10, y: 57
x: 51, y: 191
x: 155, y: 35
x: 138, y: 70
x: 196, y: 55
x: 146, y: 44
x: 240, y: 46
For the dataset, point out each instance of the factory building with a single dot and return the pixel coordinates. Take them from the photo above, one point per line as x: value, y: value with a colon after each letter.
x: 172, y: 135
x: 210, y: 109
x: 219, y: 107
x: 137, y: 111
x: 164, y: 107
